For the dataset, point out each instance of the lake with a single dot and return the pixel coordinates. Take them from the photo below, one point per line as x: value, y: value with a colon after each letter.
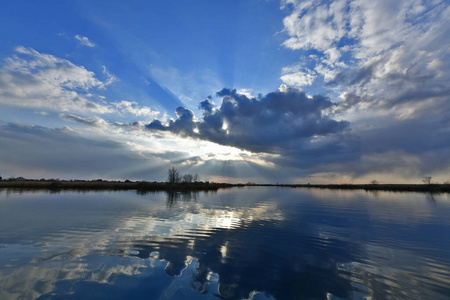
x: 239, y: 243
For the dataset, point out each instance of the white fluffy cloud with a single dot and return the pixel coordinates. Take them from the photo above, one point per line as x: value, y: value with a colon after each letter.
x: 388, y: 56
x: 385, y: 52
x: 315, y: 24
x: 297, y: 76
x: 374, y: 26
x: 388, y: 62
x: 37, y: 80
x: 135, y: 109
x: 84, y: 41
x: 31, y: 79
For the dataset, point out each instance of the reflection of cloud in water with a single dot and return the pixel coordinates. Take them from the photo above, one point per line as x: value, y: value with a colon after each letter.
x: 306, y: 246
x: 63, y: 255
x: 257, y: 256
x: 397, y: 273
x: 32, y: 279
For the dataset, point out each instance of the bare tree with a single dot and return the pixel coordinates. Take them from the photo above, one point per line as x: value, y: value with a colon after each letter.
x: 195, y: 179
x: 187, y: 178
x: 173, y: 175
x: 373, y: 182
x: 427, y: 180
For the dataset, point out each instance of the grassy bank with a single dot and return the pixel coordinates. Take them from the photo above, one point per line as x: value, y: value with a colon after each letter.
x: 425, y: 188
x: 115, y: 186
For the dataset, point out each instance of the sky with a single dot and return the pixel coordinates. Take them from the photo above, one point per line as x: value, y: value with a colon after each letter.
x: 265, y: 91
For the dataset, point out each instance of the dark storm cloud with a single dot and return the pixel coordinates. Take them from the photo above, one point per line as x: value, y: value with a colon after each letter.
x: 287, y: 123
x: 206, y: 105
x: 183, y: 126
x: 268, y: 123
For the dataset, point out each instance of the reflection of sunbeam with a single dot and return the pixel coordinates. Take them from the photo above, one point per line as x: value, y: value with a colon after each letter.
x: 227, y: 222
x: 224, y: 251
x: 198, y: 221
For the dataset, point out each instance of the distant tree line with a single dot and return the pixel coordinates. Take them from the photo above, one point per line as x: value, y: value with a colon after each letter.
x: 174, y: 176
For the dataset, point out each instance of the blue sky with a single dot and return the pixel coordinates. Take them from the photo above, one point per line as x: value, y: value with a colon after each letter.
x: 265, y: 91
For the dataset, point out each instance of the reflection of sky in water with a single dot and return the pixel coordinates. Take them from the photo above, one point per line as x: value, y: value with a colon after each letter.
x: 259, y: 243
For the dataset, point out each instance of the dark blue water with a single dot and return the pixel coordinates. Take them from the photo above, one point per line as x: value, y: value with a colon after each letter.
x: 249, y: 243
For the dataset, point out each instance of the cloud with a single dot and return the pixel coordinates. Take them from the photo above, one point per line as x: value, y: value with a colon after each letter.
x: 387, y: 53
x: 400, y: 149
x: 132, y: 107
x: 285, y: 123
x: 383, y: 63
x: 297, y: 76
x: 368, y: 27
x: 35, y: 80
x: 111, y: 78
x: 184, y: 125
x: 96, y: 122
x: 314, y: 24
x: 302, y: 135
x: 84, y: 41
x: 31, y: 79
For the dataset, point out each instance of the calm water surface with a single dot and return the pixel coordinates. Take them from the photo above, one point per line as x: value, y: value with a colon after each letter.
x: 248, y: 243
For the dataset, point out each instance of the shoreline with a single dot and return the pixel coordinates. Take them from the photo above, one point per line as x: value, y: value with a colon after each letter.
x: 206, y: 186
x: 111, y: 185
x: 422, y: 188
